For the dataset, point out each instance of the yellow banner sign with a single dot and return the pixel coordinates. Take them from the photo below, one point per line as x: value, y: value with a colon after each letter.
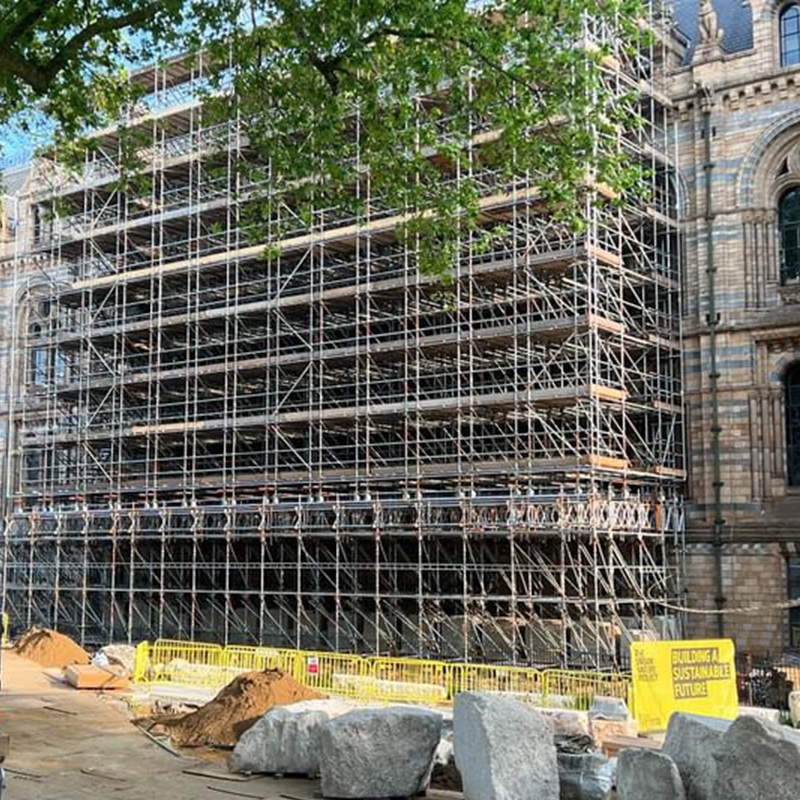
x: 697, y: 676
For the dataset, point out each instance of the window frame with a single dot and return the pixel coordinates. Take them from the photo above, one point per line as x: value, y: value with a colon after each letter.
x: 789, y: 274
x: 789, y: 13
x: 793, y: 593
x: 791, y: 390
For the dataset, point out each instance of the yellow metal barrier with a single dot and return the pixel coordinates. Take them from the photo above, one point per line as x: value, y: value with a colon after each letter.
x: 4, y: 639
x: 524, y: 683
x: 332, y: 673
x: 190, y: 663
x: 141, y: 663
x: 371, y: 678
x: 249, y: 659
x: 574, y: 689
x: 408, y: 680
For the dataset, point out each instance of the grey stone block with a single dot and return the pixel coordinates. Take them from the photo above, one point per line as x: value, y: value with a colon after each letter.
x: 605, y: 707
x: 379, y: 752
x: 282, y: 741
x: 585, y: 776
x: 691, y: 742
x: 758, y: 759
x: 767, y: 714
x: 504, y: 750
x: 648, y: 775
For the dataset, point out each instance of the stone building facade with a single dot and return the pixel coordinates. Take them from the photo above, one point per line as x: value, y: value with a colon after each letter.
x: 737, y: 98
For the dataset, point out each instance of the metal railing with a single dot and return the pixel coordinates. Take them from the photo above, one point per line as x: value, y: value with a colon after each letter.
x: 372, y: 678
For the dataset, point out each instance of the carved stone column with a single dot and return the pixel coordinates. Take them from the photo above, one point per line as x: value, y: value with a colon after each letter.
x: 760, y: 251
x: 759, y: 468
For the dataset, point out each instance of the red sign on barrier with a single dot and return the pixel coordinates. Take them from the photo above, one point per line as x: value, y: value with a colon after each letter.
x: 312, y: 665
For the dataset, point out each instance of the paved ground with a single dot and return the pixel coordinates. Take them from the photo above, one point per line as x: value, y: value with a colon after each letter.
x: 70, y: 745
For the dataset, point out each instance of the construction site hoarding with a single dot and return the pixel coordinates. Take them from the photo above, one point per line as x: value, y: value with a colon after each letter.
x: 696, y: 676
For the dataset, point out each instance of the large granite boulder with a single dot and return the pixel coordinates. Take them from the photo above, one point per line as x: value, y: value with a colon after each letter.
x: 282, y: 741
x: 286, y: 739
x: 332, y: 706
x: 758, y: 759
x: 379, y: 752
x: 691, y: 742
x: 504, y: 750
x: 648, y: 775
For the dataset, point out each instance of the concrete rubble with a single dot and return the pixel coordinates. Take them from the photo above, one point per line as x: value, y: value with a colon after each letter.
x: 691, y: 743
x: 757, y: 759
x: 607, y: 707
x: 648, y: 775
x: 498, y: 748
x: 120, y: 655
x: 566, y: 722
x: 585, y: 776
x: 504, y: 750
x: 507, y: 748
x: 601, y: 730
x: 608, y: 718
x: 794, y: 708
x: 445, y: 774
x: 379, y: 752
x: 705, y: 758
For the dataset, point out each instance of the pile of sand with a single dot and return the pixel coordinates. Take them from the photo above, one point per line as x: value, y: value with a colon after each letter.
x: 50, y: 648
x: 236, y: 708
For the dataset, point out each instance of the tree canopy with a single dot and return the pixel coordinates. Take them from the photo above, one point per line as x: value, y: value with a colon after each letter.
x: 424, y: 105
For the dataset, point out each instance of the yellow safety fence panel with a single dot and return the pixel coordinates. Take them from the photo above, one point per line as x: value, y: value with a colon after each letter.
x: 575, y: 689
x: 408, y: 680
x: 330, y: 673
x: 191, y: 663
x: 251, y: 659
x: 371, y: 678
x: 524, y: 683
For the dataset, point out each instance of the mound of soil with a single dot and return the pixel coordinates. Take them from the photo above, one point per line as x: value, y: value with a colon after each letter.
x: 51, y: 648
x: 220, y: 722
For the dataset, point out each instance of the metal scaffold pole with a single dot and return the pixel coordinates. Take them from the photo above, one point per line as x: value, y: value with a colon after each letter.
x: 305, y: 446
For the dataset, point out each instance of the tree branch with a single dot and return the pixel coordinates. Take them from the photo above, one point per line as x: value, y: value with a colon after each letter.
x: 40, y: 77
x: 410, y: 33
x: 95, y: 29
x: 24, y: 23
x: 32, y: 74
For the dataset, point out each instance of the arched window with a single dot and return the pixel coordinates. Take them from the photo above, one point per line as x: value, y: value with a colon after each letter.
x: 793, y: 425
x: 790, y: 35
x: 789, y: 221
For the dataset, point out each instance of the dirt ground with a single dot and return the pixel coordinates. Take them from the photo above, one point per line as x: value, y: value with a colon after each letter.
x: 70, y: 745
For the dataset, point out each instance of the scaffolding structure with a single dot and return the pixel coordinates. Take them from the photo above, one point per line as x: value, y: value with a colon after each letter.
x: 305, y: 446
